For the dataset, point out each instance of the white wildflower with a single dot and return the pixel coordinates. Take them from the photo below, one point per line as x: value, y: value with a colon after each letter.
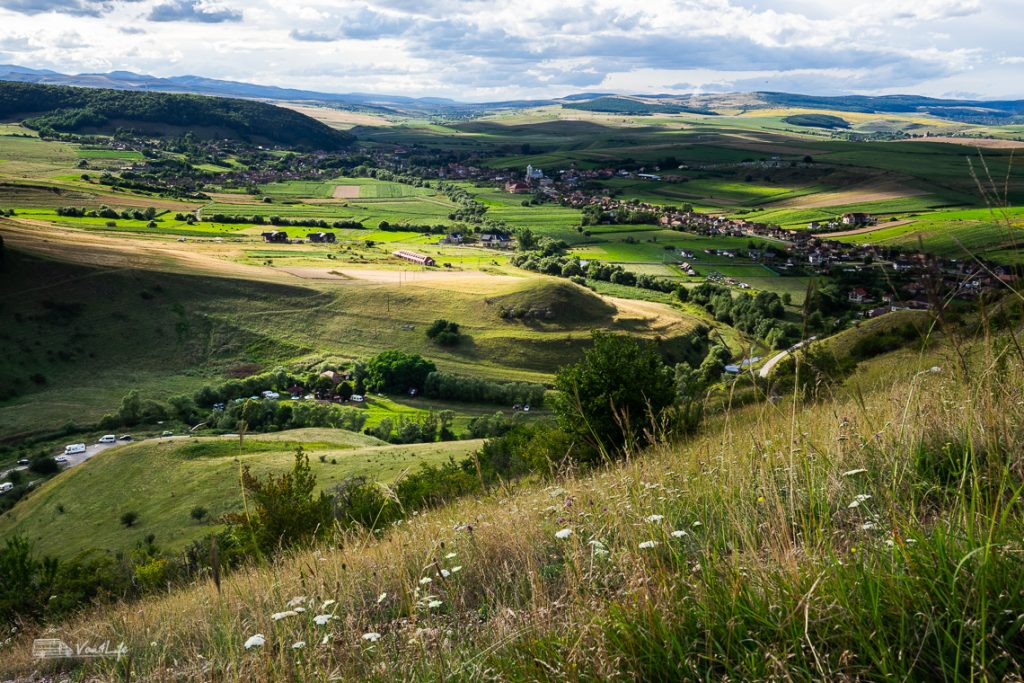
x: 655, y: 518
x: 445, y: 573
x: 434, y: 604
x: 298, y: 644
x: 648, y: 544
x: 450, y: 556
x: 679, y: 533
x: 425, y: 580
x: 382, y: 597
x: 322, y: 619
x: 296, y: 601
x: 563, y: 533
x: 371, y: 637
x: 255, y: 641
x: 860, y: 498
x: 867, y: 526
x: 695, y: 524
x: 457, y: 569
x: 283, y: 615
x: 327, y: 603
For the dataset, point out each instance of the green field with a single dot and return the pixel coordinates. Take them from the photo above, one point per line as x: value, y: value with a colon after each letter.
x: 163, y: 479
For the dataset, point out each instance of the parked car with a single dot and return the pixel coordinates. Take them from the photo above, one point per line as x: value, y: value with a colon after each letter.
x: 23, y: 461
x: 5, y: 487
x: 61, y: 459
x: 108, y: 438
x: 125, y: 437
x: 167, y: 434
x: 74, y: 449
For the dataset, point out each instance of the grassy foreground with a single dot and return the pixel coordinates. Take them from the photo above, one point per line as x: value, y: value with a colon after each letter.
x: 870, y: 537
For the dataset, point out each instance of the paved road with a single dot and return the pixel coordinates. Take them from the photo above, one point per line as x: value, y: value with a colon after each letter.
x: 90, y: 451
x: 767, y: 368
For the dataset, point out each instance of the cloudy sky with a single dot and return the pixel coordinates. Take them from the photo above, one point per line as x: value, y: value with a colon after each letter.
x: 478, y: 50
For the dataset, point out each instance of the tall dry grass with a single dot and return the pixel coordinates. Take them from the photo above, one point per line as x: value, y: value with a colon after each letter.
x: 873, y: 535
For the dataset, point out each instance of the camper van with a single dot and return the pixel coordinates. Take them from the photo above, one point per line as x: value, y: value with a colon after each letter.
x: 74, y: 449
x: 6, y: 486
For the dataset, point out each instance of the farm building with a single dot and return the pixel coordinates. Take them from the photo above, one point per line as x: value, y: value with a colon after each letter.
x: 857, y: 219
x: 277, y: 236
x: 517, y: 187
x: 421, y: 259
x: 322, y: 237
x: 496, y: 239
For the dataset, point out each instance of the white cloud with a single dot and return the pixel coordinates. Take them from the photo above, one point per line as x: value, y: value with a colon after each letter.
x: 485, y: 49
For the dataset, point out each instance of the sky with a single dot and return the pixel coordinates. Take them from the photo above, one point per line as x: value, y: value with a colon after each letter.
x: 489, y: 50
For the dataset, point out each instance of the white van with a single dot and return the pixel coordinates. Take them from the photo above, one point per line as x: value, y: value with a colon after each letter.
x: 5, y: 487
x: 108, y: 438
x: 74, y: 448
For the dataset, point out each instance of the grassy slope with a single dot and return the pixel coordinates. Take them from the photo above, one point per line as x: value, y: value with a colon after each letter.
x: 92, y: 333
x: 810, y: 534
x: 162, y: 480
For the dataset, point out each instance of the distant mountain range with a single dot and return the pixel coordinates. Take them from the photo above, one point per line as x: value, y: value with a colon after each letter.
x: 972, y: 111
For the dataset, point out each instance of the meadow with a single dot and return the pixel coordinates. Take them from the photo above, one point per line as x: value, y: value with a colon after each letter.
x: 164, y: 479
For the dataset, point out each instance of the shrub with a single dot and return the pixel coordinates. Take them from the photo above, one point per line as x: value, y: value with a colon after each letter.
x: 128, y: 519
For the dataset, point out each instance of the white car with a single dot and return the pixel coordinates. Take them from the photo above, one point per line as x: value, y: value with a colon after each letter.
x: 61, y: 458
x: 74, y: 449
x: 108, y: 438
x: 5, y: 487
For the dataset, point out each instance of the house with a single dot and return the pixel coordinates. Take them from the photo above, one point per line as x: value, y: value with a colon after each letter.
x: 496, y: 240
x: 275, y: 236
x: 323, y: 237
x: 331, y: 375
x: 857, y: 219
x: 534, y: 173
x: 858, y: 295
x: 517, y: 187
x: 453, y: 238
x: 414, y: 257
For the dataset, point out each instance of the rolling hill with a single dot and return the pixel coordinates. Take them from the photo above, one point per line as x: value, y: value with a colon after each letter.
x: 66, y: 109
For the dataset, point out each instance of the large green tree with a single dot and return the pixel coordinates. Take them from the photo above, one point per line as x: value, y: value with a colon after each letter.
x: 611, y: 399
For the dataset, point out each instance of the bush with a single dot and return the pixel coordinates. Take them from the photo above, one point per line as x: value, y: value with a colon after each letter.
x: 198, y: 513
x: 283, y: 510
x: 128, y: 519
x: 444, y: 332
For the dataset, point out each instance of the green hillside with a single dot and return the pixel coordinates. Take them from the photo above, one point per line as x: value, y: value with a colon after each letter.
x: 52, y: 108
x: 163, y: 480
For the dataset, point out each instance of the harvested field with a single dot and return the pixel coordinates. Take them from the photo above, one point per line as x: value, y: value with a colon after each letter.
x: 874, y: 193
x: 984, y: 143
x: 871, y: 228
x: 346, y: 191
